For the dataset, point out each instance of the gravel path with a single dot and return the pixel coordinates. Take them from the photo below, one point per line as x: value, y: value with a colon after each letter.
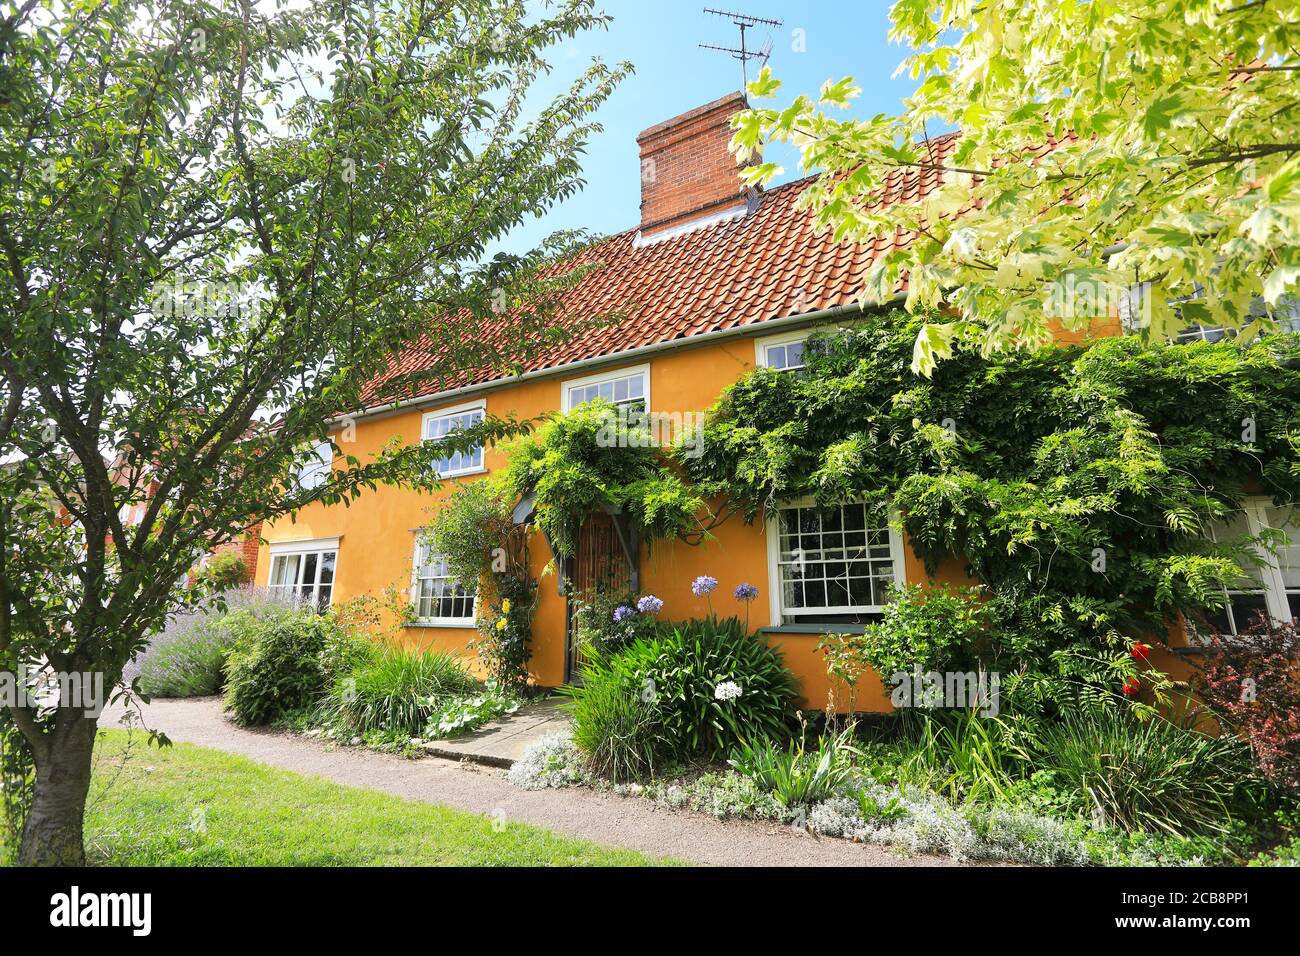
x: 602, y: 818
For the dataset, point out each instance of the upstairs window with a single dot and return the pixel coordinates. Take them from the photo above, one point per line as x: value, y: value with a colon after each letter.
x: 314, y: 469
x: 625, y: 387
x: 440, y: 424
x: 784, y: 352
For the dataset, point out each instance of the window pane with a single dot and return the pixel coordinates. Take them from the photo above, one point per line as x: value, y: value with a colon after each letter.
x: 309, y: 568
x: 327, y: 566
x: 284, y: 569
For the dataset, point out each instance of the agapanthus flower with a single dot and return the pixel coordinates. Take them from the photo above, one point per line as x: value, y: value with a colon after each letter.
x: 703, y: 585
x: 649, y: 604
x: 621, y: 612
x: 746, y: 592
x: 727, y: 690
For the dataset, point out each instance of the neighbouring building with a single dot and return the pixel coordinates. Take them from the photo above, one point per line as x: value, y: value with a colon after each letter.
x: 714, y: 280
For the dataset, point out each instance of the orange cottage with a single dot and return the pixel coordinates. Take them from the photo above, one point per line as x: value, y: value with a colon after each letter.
x: 713, y: 281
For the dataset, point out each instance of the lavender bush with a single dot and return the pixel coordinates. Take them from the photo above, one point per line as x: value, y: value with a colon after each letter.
x: 185, y: 659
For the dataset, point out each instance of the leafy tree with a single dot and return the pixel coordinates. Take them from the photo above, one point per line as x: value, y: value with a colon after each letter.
x: 217, y: 223
x: 1103, y: 144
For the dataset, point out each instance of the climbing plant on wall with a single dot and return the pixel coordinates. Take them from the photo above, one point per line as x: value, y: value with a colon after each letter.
x: 592, y: 458
x: 1076, y: 483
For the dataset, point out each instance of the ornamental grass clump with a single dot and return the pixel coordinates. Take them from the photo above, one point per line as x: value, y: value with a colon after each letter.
x: 1145, y: 775
x: 397, y: 691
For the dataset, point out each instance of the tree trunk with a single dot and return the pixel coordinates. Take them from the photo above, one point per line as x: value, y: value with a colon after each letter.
x: 52, y: 835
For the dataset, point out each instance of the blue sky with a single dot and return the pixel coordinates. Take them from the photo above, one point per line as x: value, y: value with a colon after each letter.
x: 661, y: 37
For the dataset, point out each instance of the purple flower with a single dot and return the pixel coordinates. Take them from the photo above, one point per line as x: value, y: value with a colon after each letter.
x: 649, y: 604
x: 746, y: 592
x: 620, y: 613
x: 703, y: 585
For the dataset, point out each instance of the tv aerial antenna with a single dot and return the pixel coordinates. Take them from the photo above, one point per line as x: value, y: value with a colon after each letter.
x: 743, y: 53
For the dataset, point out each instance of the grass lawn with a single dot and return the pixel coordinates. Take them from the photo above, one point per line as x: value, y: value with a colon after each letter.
x: 191, y: 806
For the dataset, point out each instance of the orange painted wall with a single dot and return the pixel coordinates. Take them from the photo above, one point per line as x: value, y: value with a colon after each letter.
x: 377, y: 532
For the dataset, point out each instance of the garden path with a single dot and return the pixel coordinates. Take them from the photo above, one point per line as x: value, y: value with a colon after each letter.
x: 611, y: 820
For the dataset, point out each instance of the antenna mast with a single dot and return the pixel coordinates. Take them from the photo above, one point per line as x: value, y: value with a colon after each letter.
x: 744, y: 54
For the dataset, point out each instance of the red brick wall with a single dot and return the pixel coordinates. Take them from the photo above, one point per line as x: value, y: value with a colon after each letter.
x: 686, y: 169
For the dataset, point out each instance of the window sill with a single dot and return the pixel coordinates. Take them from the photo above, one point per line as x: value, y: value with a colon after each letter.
x: 811, y: 629
x: 449, y: 622
x: 463, y: 474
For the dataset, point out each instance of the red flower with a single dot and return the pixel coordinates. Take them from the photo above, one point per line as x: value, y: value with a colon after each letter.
x: 1131, y: 686
x: 1140, y: 651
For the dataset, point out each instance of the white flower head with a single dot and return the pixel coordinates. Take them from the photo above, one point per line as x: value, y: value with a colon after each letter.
x: 727, y: 690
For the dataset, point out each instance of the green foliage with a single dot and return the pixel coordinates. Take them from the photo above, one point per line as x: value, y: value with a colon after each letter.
x: 596, y: 627
x: 969, y: 753
x: 798, y: 776
x: 683, y: 669
x: 1173, y: 137
x: 1145, y: 775
x: 225, y: 569
x: 17, y: 776
x: 475, y: 529
x: 614, y: 721
x: 589, y: 459
x: 183, y: 178
x: 275, y: 665
x: 461, y: 715
x: 1057, y: 458
x: 469, y: 525
x: 397, y: 691
x: 934, y: 629
x: 188, y: 657
x: 657, y: 698
x: 505, y: 625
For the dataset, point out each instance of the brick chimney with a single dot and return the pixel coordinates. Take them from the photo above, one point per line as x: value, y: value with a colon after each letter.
x: 688, y: 176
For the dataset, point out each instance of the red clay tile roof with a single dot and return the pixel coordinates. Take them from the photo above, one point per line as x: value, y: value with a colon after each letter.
x: 735, y: 273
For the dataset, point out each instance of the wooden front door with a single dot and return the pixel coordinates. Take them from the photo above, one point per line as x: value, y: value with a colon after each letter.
x: 598, y: 565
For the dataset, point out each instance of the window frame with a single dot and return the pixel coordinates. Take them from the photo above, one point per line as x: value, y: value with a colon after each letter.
x: 317, y: 546
x: 763, y: 344
x: 416, y: 579
x: 627, y: 371
x: 318, y: 466
x: 453, y: 411
x: 1255, y: 509
x: 776, y: 585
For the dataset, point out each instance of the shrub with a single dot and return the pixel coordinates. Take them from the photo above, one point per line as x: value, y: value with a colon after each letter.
x: 1251, y: 682
x: 396, y: 691
x: 698, y: 690
x: 614, y: 721
x: 223, y: 570
x: 798, y: 776
x: 552, y: 761
x: 275, y: 665
x: 684, y: 670
x: 1144, y: 775
x: 605, y: 621
x: 17, y: 778
x: 968, y: 752
x: 187, y: 658
x: 933, y: 630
